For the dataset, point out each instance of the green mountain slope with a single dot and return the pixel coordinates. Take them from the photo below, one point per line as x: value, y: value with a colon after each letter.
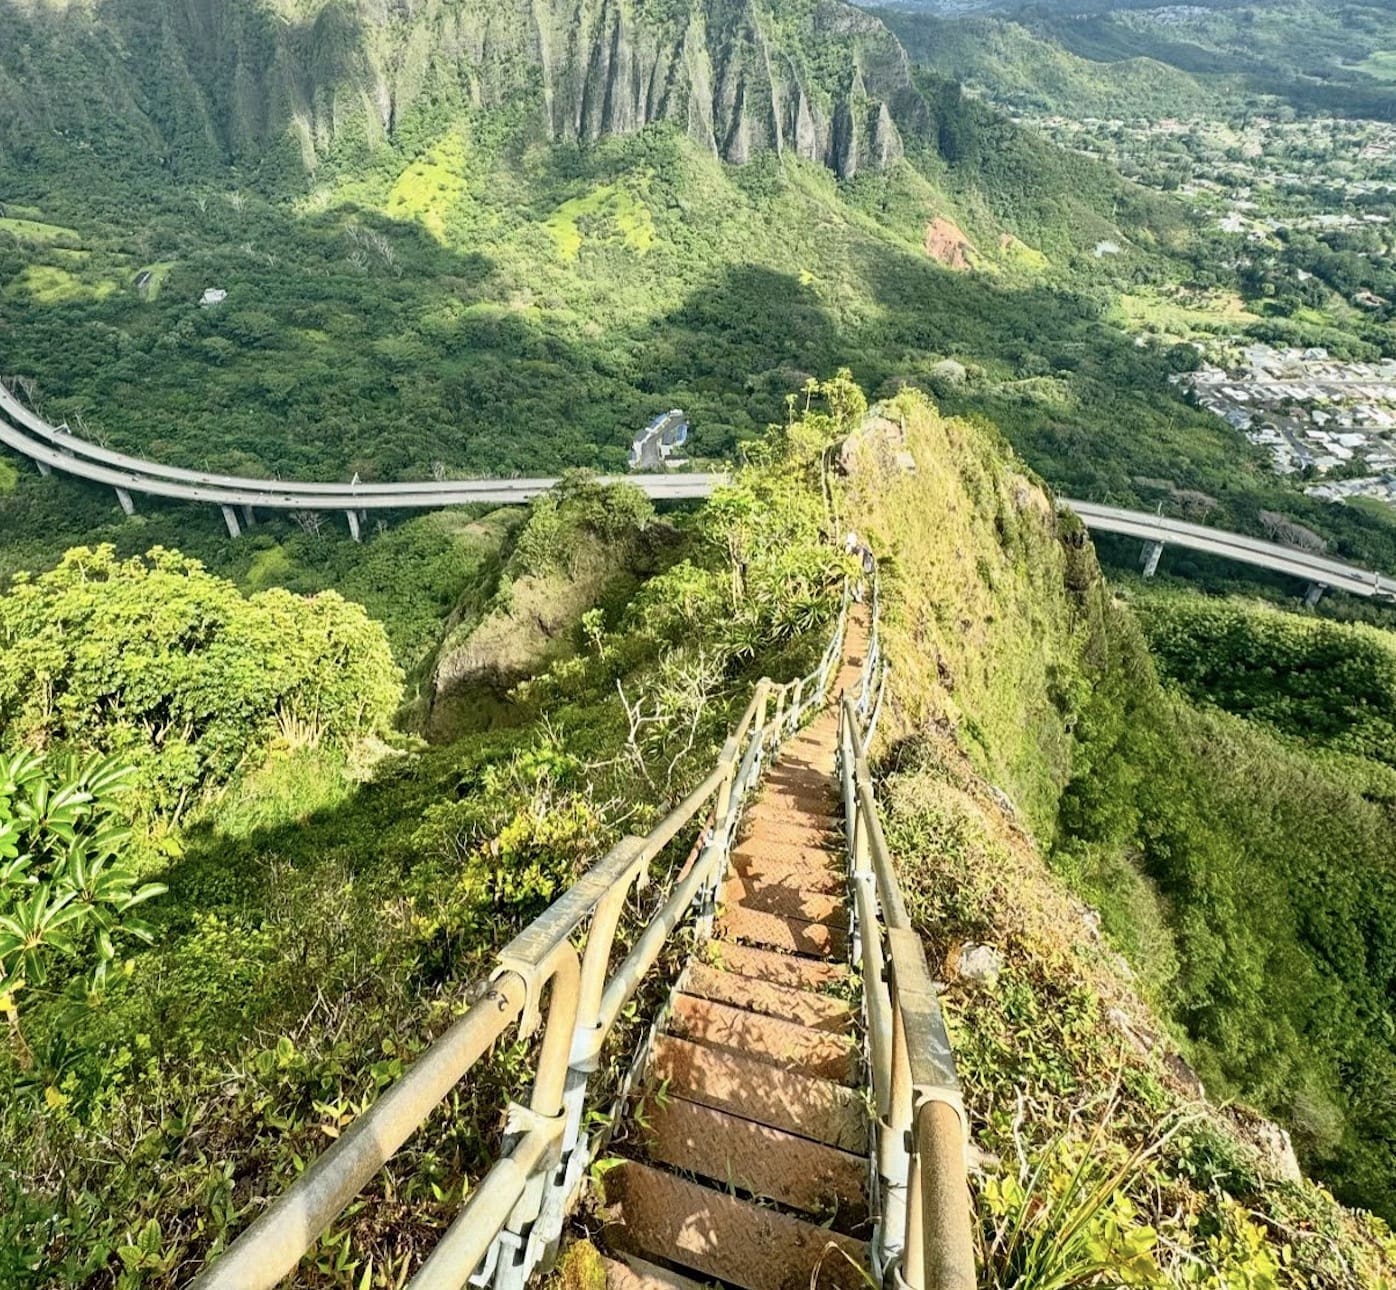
x: 460, y: 287
x: 1024, y: 65
x: 1147, y: 59
x: 445, y: 250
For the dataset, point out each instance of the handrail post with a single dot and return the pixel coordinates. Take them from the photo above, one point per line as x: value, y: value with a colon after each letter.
x: 516, y: 1254
x: 714, y: 856
x: 945, y: 1215
x: 584, y: 1054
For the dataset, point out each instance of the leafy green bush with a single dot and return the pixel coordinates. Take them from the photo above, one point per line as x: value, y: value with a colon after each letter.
x: 156, y: 659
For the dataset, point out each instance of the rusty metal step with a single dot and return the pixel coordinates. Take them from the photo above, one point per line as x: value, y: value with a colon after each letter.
x: 715, y: 1235
x: 786, y: 813
x: 814, y: 849
x: 819, y: 873
x: 786, y: 895
x: 793, y: 935
x: 816, y: 797
x: 784, y: 840
x: 757, y: 1159
x: 816, y: 881
x: 805, y: 1105
x: 820, y: 1011
x: 792, y: 970
x: 631, y: 1273
x: 786, y: 1045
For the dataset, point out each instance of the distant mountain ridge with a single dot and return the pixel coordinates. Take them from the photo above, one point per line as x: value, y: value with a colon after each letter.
x: 195, y: 83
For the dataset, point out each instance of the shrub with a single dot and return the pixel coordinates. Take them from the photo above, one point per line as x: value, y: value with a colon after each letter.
x: 158, y: 660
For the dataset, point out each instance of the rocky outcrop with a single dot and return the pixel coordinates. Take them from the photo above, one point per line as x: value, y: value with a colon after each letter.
x: 230, y: 80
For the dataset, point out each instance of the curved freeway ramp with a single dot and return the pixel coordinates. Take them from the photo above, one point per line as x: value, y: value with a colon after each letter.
x: 53, y: 448
x: 1317, y: 570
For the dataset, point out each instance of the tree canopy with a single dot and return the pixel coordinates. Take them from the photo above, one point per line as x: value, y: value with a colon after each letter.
x: 157, y: 659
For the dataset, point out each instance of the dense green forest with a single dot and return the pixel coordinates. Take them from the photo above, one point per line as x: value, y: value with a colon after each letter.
x: 1156, y: 60
x: 1245, y: 862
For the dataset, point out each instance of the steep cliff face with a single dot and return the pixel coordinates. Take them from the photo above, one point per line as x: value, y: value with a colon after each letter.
x: 189, y: 83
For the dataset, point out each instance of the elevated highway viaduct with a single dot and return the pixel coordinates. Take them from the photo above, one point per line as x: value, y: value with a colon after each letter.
x: 52, y: 447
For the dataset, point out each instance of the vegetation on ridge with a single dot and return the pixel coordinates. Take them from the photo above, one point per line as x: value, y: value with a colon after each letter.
x: 1235, y: 872
x: 326, y: 911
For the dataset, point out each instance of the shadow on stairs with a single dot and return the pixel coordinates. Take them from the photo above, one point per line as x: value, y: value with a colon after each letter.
x: 746, y: 1145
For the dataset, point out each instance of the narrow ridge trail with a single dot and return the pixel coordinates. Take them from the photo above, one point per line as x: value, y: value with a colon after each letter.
x: 746, y: 1146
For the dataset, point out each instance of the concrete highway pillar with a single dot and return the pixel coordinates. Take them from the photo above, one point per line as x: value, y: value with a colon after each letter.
x: 1153, y: 553
x: 353, y: 517
x: 128, y: 506
x: 230, y: 518
x: 44, y: 468
x: 1315, y: 593
x: 249, y: 516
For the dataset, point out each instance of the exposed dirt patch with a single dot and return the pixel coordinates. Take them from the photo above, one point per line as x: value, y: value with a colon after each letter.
x: 947, y: 244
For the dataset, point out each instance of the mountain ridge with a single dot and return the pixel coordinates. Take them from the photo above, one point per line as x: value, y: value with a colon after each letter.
x: 250, y: 84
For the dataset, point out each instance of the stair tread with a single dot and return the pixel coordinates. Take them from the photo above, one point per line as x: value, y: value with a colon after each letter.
x: 795, y: 970
x: 821, y: 1011
x: 785, y: 1045
x: 780, y: 812
x: 808, y: 876
x: 807, y: 1105
x: 629, y: 1272
x: 716, y: 1235
x: 814, y: 850
x: 781, y: 826
x: 785, y: 894
x: 800, y: 936
x: 735, y: 1152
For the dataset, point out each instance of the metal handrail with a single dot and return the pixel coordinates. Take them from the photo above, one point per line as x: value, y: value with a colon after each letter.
x: 924, y: 1231
x: 512, y: 1221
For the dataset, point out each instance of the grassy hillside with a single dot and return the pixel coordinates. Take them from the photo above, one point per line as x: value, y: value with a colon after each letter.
x: 1156, y: 60
x: 456, y: 305
x: 1244, y: 867
x: 538, y: 309
x: 1025, y: 705
x: 461, y: 293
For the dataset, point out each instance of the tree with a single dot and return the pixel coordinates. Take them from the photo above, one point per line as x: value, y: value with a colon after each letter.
x: 156, y: 659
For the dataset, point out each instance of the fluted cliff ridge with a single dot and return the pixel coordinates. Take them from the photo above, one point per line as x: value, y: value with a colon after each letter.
x: 195, y: 82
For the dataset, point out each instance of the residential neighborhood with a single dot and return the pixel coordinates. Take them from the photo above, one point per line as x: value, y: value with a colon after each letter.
x: 1314, y: 414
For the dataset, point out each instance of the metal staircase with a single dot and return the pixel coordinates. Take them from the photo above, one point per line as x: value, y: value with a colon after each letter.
x: 792, y: 1116
x: 749, y: 1133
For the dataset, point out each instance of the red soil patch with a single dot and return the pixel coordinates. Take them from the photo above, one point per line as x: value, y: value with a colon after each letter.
x: 946, y: 244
